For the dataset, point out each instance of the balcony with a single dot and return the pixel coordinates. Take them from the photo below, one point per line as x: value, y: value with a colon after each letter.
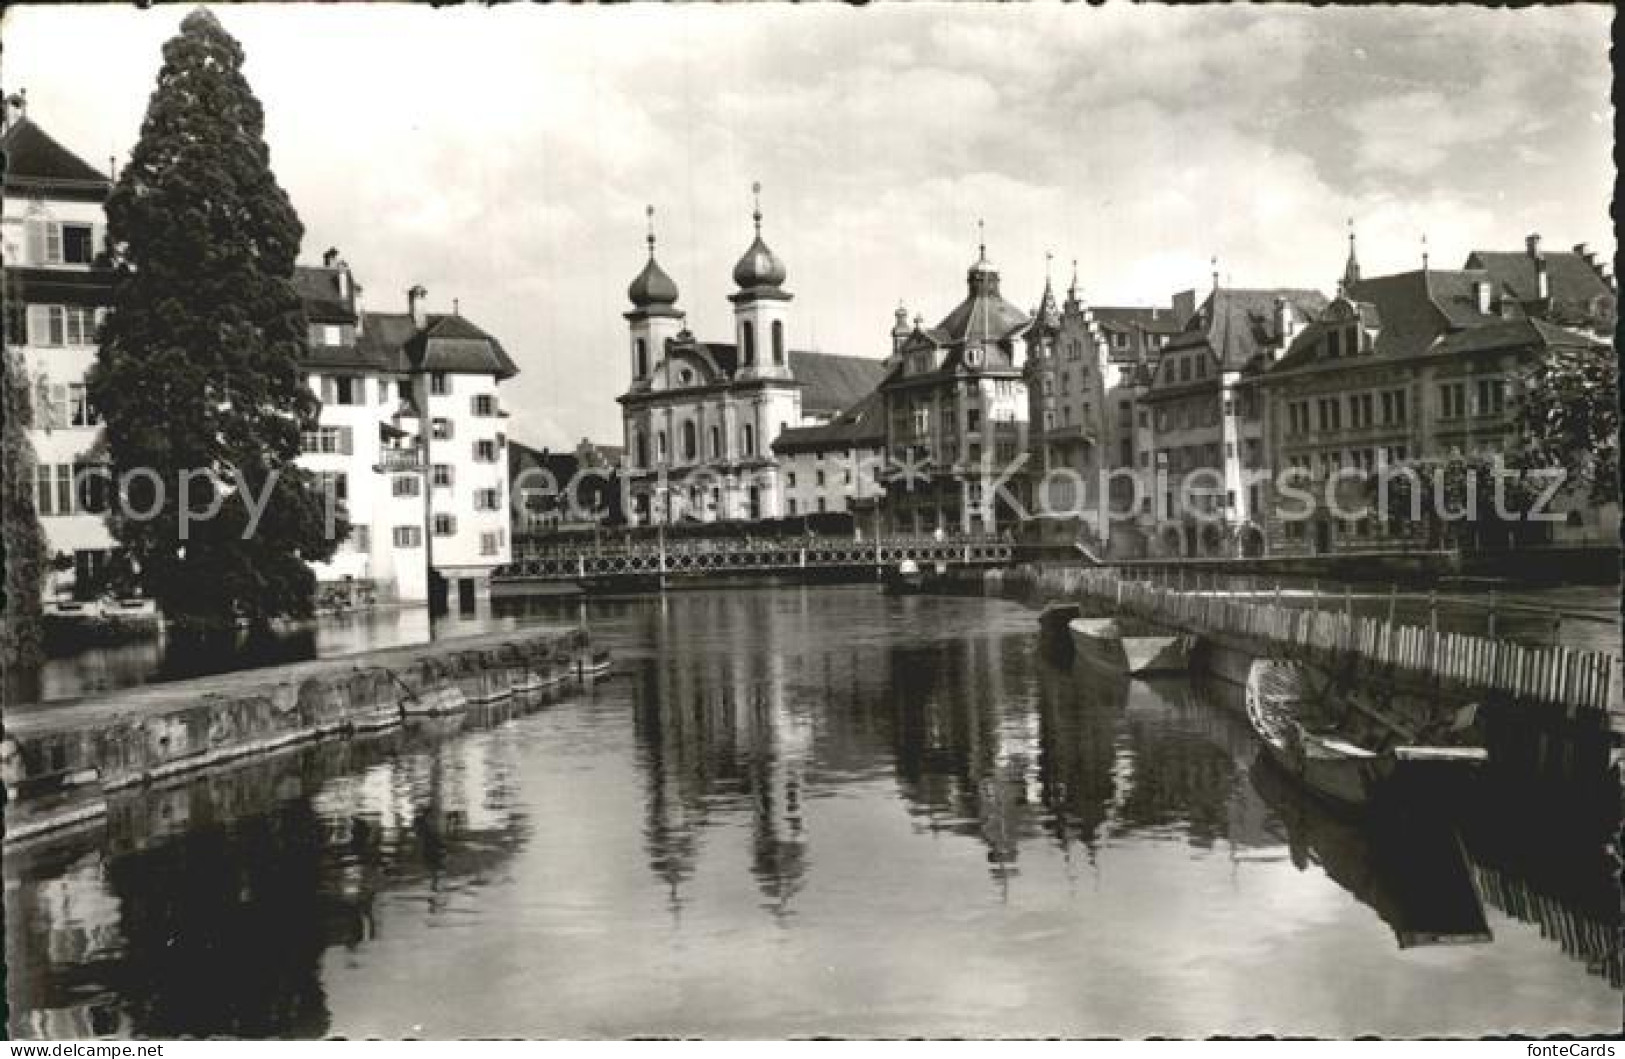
x: 399, y: 461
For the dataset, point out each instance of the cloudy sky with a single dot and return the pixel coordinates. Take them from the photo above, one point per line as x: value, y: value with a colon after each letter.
x: 504, y: 156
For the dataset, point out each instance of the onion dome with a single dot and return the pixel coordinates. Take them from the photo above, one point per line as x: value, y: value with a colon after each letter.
x: 760, y: 269
x: 652, y: 289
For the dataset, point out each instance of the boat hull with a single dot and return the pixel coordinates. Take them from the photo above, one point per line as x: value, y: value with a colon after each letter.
x: 1101, y: 641
x: 1341, y: 772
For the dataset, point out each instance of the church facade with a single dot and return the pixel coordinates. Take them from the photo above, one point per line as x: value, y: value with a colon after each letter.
x: 701, y: 418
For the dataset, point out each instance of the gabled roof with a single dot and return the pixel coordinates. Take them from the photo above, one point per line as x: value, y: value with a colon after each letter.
x: 832, y: 382
x: 320, y: 291
x: 863, y: 423
x: 36, y: 164
x: 1152, y: 319
x: 447, y: 343
x: 1578, y: 295
x: 1237, y: 325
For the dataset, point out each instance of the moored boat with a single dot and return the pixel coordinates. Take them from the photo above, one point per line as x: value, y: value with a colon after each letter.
x: 1103, y: 640
x: 1055, y: 616
x: 906, y: 576
x: 443, y: 701
x: 1347, y: 755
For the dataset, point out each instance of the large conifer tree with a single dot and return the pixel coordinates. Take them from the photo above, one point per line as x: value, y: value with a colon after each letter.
x: 198, y: 365
x: 22, y: 633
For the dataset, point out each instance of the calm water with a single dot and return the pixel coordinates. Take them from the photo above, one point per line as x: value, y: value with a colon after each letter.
x: 807, y: 811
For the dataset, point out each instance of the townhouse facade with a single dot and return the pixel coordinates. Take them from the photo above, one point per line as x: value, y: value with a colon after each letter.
x: 956, y: 415
x: 1090, y: 438
x: 836, y: 467
x: 701, y: 419
x: 1209, y: 462
x: 1422, y: 366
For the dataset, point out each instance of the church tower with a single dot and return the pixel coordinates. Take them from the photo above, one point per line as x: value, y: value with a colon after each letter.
x: 654, y: 317
x: 761, y: 309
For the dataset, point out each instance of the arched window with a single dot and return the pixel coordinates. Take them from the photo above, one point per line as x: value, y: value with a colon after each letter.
x: 747, y: 343
x: 642, y: 351
x: 640, y: 448
x: 778, y: 342
x: 748, y: 444
x: 716, y: 442
x: 660, y: 445
x: 691, y: 440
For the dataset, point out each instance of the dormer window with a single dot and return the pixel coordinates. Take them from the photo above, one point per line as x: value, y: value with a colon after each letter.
x: 973, y: 355
x: 685, y: 377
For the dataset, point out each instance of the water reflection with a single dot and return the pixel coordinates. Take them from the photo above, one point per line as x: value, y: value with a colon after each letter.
x: 871, y: 780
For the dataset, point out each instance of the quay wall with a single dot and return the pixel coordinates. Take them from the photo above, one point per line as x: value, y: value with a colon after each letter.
x: 59, y: 760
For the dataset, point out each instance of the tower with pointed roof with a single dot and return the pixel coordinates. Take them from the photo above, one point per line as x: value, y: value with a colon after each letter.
x: 654, y: 317
x: 1351, y: 268
x: 761, y: 308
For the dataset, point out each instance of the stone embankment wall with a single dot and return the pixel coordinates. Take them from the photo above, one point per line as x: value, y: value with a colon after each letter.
x: 57, y: 760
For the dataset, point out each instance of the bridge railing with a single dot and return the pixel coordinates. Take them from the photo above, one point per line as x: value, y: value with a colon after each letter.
x: 1555, y: 675
x: 765, y: 555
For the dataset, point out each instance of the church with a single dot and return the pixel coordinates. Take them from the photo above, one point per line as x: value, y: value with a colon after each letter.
x: 701, y: 418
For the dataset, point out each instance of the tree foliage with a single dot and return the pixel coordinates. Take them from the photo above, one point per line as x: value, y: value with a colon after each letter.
x: 199, y: 361
x: 1568, y: 417
x: 22, y: 634
x: 1460, y: 501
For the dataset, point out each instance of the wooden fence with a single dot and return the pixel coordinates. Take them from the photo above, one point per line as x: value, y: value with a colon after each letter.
x: 1558, y: 676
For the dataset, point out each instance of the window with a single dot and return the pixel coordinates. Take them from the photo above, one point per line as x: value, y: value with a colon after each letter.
x: 1119, y: 340
x: 778, y: 342
x: 331, y: 440
x: 341, y: 389
x: 792, y: 507
x: 820, y: 479
x: 80, y: 412
x: 361, y: 538
x: 439, y: 383
x: 660, y: 446
x: 973, y: 420
x: 485, y: 451
x: 1201, y: 366
x: 747, y: 342
x: 440, y: 476
x: 1184, y: 369
x: 332, y: 335
x: 76, y: 244
x: 488, y: 500
x: 716, y: 442
x: 1331, y: 413
x: 820, y: 505
x: 790, y: 479
x: 748, y: 440
x: 334, y: 485
x: 640, y: 358
x: 440, y: 429
x: 44, y: 496
x: 640, y: 450
x: 1452, y: 400
x: 1334, y: 343
x: 61, y: 325
x: 93, y: 486
x: 691, y: 440
x: 1360, y: 410
x: 485, y: 404
x: 383, y: 391
x: 490, y: 543
x: 405, y: 485
x: 1491, y: 396
x: 445, y: 525
x: 408, y: 536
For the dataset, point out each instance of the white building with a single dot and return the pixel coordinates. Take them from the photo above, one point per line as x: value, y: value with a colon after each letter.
x: 837, y: 466
x: 373, y: 373
x: 56, y: 296
x: 701, y: 418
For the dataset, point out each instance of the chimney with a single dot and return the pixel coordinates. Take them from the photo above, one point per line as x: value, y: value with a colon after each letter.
x: 330, y: 258
x: 1543, y: 283
x: 1481, y: 295
x: 414, y: 305
x: 346, y: 286
x: 1532, y: 242
x: 360, y: 313
x: 16, y: 107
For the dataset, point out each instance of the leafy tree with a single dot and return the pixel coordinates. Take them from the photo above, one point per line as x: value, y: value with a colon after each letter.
x: 21, y: 634
x: 198, y: 368
x: 1569, y: 417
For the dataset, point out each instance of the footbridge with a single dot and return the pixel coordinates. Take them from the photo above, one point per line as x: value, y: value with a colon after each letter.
x: 642, y: 562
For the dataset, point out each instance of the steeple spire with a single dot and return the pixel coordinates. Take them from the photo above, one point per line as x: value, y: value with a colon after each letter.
x: 1048, y: 313
x: 1351, y: 269
x: 1424, y: 251
x: 756, y: 197
x: 1214, y: 262
x: 650, y: 212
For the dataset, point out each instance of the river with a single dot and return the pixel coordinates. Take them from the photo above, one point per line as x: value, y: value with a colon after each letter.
x: 809, y: 810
